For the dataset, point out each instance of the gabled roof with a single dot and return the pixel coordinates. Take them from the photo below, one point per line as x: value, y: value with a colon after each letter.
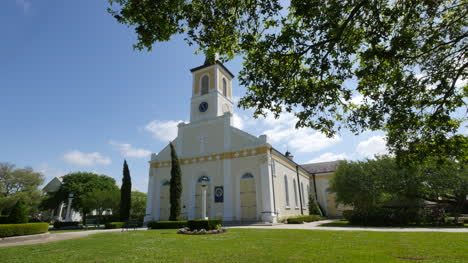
x: 208, y: 64
x: 323, y: 167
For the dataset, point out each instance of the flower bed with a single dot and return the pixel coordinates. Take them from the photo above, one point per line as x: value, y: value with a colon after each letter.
x: 187, y: 231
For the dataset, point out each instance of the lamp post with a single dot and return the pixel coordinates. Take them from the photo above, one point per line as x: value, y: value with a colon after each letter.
x: 204, y: 181
x: 68, y: 216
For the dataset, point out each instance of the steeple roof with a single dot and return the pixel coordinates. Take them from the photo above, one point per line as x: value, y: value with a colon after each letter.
x: 212, y: 61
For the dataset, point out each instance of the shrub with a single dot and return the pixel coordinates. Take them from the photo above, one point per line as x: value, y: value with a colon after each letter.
x: 4, y: 220
x: 314, y: 208
x: 19, y: 214
x: 302, y: 219
x: 167, y: 224
x: 103, y: 219
x: 9, y: 230
x: 204, y: 224
x: 114, y: 225
x: 59, y: 225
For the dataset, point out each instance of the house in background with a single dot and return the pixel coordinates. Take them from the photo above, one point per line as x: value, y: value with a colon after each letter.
x: 62, y: 212
x: 321, y: 174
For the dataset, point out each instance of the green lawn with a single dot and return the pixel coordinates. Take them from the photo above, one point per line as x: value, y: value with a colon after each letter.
x: 344, y: 223
x: 249, y: 245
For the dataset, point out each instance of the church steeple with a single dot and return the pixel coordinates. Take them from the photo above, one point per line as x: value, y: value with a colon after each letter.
x: 212, y: 90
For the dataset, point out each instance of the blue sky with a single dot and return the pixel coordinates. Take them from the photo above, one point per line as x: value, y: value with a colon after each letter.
x: 75, y: 96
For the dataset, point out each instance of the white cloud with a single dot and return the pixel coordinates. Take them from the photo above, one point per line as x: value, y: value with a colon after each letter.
x: 127, y: 150
x: 163, y: 130
x: 328, y: 157
x: 283, y: 131
x: 372, y: 146
x: 49, y: 172
x: 358, y: 99
x: 237, y: 121
x: 86, y: 159
x: 25, y: 5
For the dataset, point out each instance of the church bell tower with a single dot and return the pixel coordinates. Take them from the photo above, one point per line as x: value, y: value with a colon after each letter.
x: 211, y: 91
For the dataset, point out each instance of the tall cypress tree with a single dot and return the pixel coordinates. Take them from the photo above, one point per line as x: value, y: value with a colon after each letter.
x: 175, y: 186
x: 125, y: 194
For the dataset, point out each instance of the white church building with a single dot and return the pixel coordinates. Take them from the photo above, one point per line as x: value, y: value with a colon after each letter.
x: 244, y: 177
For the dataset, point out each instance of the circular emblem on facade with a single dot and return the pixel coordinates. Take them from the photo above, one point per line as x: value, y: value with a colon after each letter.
x: 219, y: 192
x: 203, y: 106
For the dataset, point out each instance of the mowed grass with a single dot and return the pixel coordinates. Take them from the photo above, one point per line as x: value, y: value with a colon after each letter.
x: 249, y: 245
x: 344, y: 223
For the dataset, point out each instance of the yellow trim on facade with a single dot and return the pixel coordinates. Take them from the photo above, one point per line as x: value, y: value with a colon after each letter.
x: 215, y: 157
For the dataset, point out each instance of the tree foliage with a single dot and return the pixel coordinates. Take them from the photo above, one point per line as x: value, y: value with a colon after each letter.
x: 19, y: 213
x: 125, y: 194
x: 101, y: 201
x: 80, y: 184
x: 398, y: 66
x: 138, y: 209
x: 372, y: 184
x: 175, y: 186
x: 19, y: 184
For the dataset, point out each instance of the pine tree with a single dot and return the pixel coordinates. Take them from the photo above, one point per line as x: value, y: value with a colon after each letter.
x: 175, y: 186
x: 19, y: 213
x: 125, y: 194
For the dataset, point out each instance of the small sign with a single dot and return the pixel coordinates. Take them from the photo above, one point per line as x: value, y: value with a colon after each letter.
x: 219, y: 194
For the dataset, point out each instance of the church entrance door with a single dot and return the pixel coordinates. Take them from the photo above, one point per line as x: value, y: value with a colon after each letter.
x: 248, y: 198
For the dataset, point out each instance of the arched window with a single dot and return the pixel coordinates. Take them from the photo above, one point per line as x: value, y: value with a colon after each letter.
x: 286, y: 190
x: 205, y: 83
x: 247, y: 176
x: 295, y: 193
x: 224, y: 87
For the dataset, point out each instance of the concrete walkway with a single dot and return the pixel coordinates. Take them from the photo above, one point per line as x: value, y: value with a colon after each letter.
x: 315, y: 226
x: 51, y: 236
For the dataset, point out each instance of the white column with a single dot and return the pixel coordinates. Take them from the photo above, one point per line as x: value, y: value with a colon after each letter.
x: 149, y: 201
x: 227, y: 190
x: 268, y: 214
x: 227, y: 175
x: 59, y: 215
x: 67, y: 217
x: 204, y: 203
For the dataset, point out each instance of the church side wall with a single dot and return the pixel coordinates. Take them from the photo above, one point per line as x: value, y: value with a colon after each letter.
x: 284, y: 170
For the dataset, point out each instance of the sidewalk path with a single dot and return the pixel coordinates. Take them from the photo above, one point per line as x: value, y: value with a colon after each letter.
x: 49, y: 237
x: 315, y: 226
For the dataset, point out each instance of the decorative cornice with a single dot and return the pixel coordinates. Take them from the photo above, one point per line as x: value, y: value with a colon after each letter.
x: 215, y: 157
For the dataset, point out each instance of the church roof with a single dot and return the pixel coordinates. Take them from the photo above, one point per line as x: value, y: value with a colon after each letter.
x: 209, y: 64
x: 323, y: 167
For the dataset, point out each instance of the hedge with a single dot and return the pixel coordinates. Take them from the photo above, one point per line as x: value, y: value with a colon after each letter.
x: 302, y: 219
x: 209, y: 224
x: 59, y: 224
x: 9, y: 230
x: 167, y: 224
x: 103, y: 219
x: 114, y: 225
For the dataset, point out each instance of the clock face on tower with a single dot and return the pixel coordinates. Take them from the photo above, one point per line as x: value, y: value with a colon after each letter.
x: 203, y: 106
